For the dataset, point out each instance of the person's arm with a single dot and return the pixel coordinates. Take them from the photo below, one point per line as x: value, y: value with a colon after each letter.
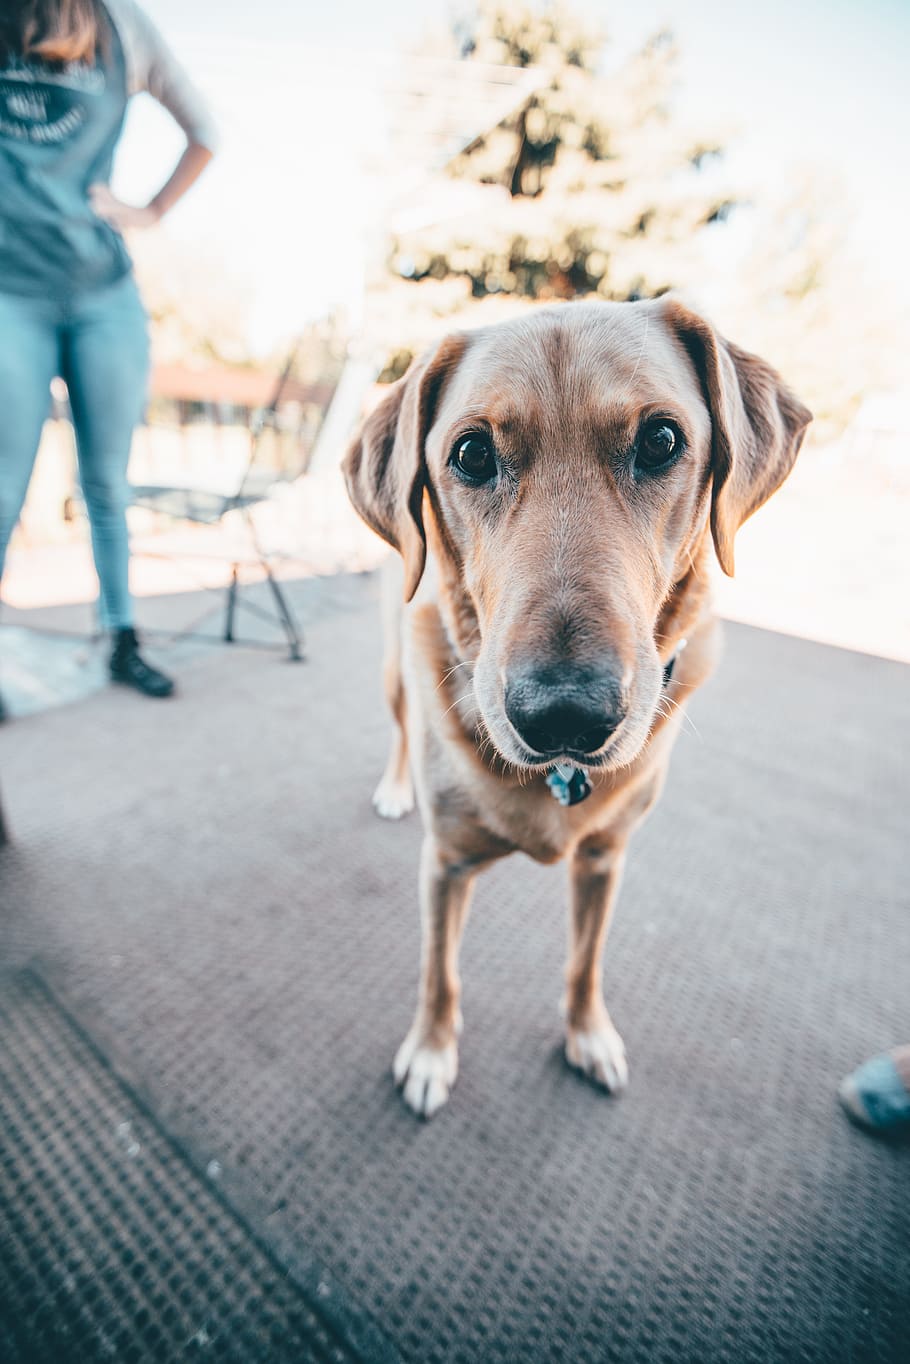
x: 156, y: 70
x: 126, y: 216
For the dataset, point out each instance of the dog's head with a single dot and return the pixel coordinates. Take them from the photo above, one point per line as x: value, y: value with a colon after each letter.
x: 568, y: 466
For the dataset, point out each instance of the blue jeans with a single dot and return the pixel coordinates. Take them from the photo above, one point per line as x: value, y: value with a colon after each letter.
x: 98, y: 343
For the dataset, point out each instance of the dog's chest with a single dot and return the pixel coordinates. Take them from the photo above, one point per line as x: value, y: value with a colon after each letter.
x: 478, y: 814
x: 532, y: 822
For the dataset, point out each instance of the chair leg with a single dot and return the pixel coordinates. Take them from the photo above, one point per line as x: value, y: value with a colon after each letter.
x: 231, y: 604
x: 287, y: 619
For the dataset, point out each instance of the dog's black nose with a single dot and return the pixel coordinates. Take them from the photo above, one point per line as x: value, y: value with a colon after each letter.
x: 559, y: 710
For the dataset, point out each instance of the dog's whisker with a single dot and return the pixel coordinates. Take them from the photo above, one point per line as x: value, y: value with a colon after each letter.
x: 466, y: 663
x: 686, y: 717
x: 459, y: 700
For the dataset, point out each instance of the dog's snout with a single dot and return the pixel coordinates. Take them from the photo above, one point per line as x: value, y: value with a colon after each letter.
x: 563, y: 710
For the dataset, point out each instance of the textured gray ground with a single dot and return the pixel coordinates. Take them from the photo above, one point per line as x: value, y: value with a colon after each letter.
x: 205, y: 883
x: 111, y: 1247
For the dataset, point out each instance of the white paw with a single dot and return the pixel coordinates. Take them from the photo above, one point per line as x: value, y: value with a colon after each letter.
x: 600, y: 1054
x: 427, y: 1074
x: 393, y: 799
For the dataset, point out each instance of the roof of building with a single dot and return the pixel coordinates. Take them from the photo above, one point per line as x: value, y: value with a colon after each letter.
x: 225, y: 384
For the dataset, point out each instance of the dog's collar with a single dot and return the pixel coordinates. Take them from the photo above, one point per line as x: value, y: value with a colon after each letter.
x: 570, y: 785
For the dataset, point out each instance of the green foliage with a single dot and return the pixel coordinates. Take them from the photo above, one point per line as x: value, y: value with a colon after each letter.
x: 596, y: 186
x: 591, y: 186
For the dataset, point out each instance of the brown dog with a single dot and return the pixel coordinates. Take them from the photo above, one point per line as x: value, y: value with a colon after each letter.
x: 553, y: 485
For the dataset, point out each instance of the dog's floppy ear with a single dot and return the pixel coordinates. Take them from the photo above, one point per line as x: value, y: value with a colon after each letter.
x: 385, y: 466
x: 757, y: 423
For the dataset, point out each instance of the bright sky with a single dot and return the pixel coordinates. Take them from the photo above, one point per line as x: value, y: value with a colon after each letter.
x: 807, y: 82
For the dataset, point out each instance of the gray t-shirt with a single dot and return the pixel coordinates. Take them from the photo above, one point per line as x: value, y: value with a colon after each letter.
x: 58, y: 131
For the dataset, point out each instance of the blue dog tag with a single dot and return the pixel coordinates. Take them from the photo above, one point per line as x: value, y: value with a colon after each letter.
x: 569, y: 784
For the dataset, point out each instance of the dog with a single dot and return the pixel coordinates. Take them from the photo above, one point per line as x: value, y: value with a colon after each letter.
x: 554, y: 486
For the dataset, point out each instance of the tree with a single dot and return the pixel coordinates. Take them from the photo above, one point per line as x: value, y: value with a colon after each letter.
x: 591, y: 187
x: 801, y: 291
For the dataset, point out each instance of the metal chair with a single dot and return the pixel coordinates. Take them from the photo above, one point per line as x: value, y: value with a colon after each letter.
x: 208, y: 507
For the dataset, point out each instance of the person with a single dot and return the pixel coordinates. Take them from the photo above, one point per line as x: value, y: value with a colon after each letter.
x: 877, y: 1094
x: 69, y: 304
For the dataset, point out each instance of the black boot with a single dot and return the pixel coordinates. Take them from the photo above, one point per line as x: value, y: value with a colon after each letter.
x: 129, y: 667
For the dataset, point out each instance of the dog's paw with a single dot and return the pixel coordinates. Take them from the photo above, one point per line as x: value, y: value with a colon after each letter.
x: 425, y: 1074
x: 599, y: 1053
x: 393, y: 799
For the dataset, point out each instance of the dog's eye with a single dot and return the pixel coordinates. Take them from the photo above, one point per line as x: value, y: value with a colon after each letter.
x: 474, y: 459
x: 659, y: 443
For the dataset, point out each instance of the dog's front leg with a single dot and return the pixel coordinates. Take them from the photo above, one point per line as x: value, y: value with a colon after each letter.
x: 427, y: 1060
x: 592, y: 1043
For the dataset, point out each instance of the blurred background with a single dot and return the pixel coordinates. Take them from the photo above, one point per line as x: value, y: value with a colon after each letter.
x: 208, y: 941
x: 389, y: 173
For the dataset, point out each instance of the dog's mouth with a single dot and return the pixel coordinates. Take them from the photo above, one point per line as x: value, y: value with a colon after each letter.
x: 568, y: 757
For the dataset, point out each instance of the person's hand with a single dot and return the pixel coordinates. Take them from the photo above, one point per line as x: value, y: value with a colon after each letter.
x: 120, y: 215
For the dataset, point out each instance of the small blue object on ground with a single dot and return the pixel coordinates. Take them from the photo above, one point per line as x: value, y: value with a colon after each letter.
x: 877, y: 1094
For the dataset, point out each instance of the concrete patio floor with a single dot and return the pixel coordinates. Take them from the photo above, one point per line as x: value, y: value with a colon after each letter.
x: 209, y: 954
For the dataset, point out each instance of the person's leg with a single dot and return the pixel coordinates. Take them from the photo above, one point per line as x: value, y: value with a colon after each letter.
x: 105, y: 362
x: 29, y: 356
x: 29, y: 360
